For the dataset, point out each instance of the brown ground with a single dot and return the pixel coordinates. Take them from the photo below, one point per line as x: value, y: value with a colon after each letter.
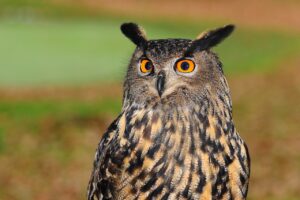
x: 51, y: 159
x: 265, y: 14
x: 266, y: 111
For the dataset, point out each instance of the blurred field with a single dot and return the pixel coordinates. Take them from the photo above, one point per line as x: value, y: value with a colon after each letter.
x: 61, y: 67
x: 54, y: 52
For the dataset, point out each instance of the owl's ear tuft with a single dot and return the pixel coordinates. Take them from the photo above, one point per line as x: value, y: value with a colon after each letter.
x: 209, y: 39
x: 135, y: 33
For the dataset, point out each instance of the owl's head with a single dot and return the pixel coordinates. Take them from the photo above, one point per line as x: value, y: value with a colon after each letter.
x: 174, y: 71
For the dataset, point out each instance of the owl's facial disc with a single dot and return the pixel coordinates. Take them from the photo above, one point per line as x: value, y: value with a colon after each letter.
x: 167, y: 76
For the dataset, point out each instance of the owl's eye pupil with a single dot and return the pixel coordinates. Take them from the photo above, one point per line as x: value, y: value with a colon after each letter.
x: 185, y: 66
x: 148, y: 66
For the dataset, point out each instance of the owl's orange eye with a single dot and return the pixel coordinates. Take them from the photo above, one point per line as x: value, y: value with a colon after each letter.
x: 185, y: 66
x: 146, y: 66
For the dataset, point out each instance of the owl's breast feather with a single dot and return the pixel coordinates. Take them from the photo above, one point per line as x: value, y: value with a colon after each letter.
x: 183, y: 152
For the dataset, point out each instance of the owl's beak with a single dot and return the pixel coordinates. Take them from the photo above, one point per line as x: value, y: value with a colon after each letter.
x: 160, y: 82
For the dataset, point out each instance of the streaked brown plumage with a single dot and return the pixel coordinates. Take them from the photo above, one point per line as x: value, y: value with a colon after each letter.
x: 175, y: 138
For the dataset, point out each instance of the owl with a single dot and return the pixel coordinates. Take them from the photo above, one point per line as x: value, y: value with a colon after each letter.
x: 175, y: 137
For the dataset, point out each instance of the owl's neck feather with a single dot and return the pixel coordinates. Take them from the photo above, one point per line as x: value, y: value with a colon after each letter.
x: 206, y: 118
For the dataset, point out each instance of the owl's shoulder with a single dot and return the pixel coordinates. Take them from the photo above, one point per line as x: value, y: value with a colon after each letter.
x: 99, y: 185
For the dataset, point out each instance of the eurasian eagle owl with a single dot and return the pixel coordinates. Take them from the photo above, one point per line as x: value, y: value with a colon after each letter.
x: 175, y: 137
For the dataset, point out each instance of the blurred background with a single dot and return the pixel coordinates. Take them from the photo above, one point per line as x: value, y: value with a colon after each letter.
x: 61, y: 68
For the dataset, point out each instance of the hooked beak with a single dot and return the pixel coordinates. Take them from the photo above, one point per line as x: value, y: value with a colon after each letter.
x: 160, y: 82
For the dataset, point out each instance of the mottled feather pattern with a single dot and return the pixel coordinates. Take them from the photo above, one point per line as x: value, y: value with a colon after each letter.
x: 177, y: 153
x: 177, y: 143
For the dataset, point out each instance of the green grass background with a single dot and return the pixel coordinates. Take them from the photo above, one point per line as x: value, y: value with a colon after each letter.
x: 72, y: 52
